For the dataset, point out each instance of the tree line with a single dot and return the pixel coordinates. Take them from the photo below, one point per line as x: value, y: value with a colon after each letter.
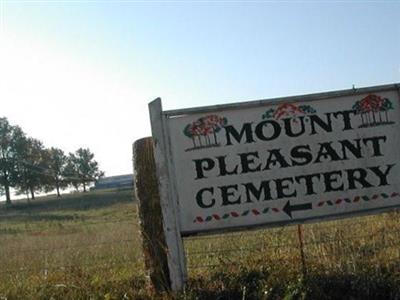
x: 27, y: 166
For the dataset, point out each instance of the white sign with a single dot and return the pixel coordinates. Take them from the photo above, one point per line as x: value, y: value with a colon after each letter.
x: 288, y: 160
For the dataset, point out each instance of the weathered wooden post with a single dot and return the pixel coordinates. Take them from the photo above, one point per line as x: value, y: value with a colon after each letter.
x: 162, y: 240
x: 150, y: 216
x: 168, y: 197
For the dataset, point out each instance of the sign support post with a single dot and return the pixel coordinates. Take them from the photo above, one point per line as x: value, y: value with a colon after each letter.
x: 168, y: 199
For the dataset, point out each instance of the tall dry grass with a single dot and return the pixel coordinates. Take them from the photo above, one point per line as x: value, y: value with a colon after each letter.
x: 88, y: 247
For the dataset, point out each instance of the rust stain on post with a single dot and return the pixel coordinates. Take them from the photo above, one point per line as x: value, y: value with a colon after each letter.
x: 150, y: 216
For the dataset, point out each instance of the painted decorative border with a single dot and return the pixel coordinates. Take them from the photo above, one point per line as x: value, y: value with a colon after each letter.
x: 266, y: 210
x: 357, y: 199
x: 235, y: 214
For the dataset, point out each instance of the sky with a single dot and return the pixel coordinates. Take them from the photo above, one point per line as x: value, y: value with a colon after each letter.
x: 81, y: 73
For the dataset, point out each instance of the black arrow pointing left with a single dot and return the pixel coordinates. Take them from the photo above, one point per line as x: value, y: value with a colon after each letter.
x: 288, y: 209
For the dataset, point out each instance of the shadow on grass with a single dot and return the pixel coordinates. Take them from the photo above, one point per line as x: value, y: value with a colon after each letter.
x: 263, y: 283
x: 75, y: 201
x: 38, y: 217
x: 379, y: 283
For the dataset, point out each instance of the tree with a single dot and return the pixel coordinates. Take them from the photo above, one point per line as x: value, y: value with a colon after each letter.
x: 204, y: 127
x: 71, y: 172
x: 32, y: 166
x: 371, y: 106
x: 11, y: 138
x: 386, y: 105
x: 82, y: 169
x: 57, y: 163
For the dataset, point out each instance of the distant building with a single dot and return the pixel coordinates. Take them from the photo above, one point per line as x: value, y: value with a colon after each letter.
x: 120, y: 181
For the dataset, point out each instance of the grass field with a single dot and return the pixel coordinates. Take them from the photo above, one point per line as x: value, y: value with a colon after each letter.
x: 87, y: 246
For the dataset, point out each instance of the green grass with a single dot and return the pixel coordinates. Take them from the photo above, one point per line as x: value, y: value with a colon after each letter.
x: 69, y: 243
x: 87, y: 246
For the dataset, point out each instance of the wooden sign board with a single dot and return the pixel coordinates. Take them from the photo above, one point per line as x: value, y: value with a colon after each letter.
x: 280, y: 161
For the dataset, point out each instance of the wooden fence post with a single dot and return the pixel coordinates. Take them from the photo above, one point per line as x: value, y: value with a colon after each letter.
x: 150, y: 216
